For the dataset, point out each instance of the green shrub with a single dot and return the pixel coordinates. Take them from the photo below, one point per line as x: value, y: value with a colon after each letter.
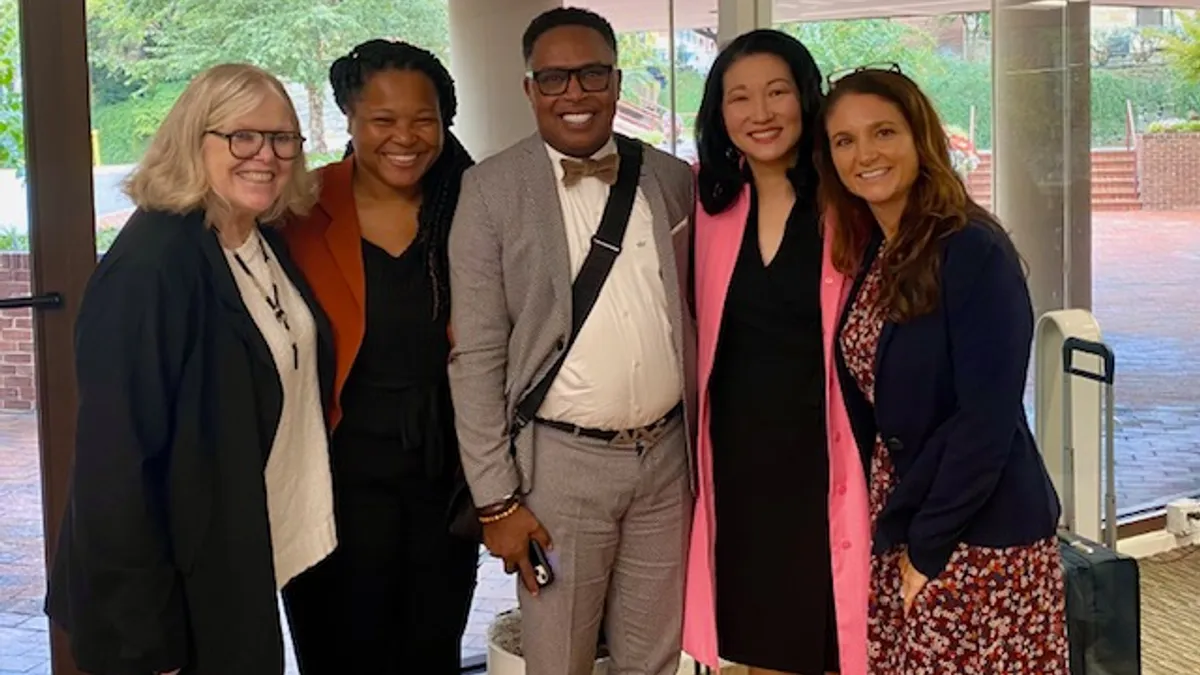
x: 1174, y: 127
x: 316, y: 160
x: 12, y: 122
x: 1157, y: 93
x: 105, y: 237
x: 125, y: 128
x: 12, y: 241
x: 957, y: 87
x: 689, y: 89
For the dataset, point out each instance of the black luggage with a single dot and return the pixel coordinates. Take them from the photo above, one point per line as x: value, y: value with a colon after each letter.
x: 1103, y: 594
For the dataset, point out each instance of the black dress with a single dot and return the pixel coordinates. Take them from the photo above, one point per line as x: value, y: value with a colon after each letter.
x: 396, y: 594
x: 774, y: 597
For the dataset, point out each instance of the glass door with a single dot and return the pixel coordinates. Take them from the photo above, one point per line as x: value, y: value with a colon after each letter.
x: 23, y: 639
x: 47, y: 251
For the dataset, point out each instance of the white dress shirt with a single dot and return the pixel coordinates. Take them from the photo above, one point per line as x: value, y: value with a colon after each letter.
x: 298, y: 481
x: 622, y: 372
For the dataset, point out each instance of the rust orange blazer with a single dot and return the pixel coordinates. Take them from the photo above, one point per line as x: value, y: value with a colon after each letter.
x: 327, y: 247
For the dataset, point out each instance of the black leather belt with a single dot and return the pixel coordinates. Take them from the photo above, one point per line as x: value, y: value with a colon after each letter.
x: 647, y: 435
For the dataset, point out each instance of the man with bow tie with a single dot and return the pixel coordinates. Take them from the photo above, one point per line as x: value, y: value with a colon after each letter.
x: 573, y: 369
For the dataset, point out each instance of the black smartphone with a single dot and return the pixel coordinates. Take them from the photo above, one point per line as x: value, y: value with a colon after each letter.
x: 542, y: 572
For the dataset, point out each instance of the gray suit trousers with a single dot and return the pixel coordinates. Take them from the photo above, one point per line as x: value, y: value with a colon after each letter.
x: 619, y: 521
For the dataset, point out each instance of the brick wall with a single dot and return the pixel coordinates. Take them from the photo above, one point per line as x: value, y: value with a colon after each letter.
x: 17, y: 390
x: 1169, y: 171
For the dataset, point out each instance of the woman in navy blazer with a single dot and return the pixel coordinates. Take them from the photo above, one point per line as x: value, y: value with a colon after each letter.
x: 932, y: 350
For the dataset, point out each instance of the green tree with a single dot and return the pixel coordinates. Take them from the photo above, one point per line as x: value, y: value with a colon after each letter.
x: 12, y: 127
x: 956, y: 86
x: 171, y: 40
x: 638, y: 51
x: 977, y: 33
x: 646, y: 71
x: 1183, y: 47
x: 840, y: 46
x: 641, y: 65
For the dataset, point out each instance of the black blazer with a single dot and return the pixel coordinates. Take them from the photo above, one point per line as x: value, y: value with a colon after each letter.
x: 949, y: 389
x: 165, y: 556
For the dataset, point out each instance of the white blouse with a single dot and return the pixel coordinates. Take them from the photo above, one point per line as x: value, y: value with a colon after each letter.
x: 298, y: 481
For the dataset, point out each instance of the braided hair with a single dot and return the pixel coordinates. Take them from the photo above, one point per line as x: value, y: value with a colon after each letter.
x: 441, y: 183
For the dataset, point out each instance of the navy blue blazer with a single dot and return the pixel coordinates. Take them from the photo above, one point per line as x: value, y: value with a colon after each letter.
x: 948, y: 404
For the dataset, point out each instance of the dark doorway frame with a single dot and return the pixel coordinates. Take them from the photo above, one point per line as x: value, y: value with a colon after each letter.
x: 62, y: 241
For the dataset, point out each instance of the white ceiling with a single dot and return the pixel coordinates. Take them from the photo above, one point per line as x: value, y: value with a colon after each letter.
x: 635, y: 15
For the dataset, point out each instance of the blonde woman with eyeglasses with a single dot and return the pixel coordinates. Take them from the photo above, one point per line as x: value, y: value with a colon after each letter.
x: 201, y: 482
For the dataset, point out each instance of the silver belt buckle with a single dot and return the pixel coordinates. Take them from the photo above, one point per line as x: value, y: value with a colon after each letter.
x: 642, y: 437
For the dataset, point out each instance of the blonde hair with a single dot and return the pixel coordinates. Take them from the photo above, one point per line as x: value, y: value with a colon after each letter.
x: 172, y: 177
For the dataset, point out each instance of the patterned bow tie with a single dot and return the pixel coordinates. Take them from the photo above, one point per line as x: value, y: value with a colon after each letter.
x: 605, y: 168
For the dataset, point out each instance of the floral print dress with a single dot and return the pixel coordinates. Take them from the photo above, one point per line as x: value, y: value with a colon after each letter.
x: 991, y: 611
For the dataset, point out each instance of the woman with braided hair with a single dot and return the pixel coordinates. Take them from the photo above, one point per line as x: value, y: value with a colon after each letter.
x: 374, y: 251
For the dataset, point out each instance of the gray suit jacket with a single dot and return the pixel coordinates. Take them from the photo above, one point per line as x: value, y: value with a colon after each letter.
x: 510, y: 283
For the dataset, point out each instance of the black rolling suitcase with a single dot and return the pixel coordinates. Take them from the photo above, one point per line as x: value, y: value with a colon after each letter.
x: 1103, y: 595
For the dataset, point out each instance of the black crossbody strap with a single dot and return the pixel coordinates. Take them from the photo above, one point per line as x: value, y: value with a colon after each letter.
x: 606, y: 245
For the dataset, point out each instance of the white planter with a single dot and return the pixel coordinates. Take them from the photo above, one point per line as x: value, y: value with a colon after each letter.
x: 504, y: 647
x: 687, y: 667
x: 504, y: 651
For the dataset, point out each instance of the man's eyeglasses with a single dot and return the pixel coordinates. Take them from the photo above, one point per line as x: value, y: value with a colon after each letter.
x: 884, y: 66
x: 593, y: 79
x: 247, y: 143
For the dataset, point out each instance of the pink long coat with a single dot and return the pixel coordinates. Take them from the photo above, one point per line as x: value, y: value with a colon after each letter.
x: 718, y: 239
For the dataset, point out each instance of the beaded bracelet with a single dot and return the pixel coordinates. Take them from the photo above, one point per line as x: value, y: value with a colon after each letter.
x: 497, y: 517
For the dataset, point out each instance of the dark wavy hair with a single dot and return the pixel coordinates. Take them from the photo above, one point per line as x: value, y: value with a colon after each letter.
x: 938, y: 203
x: 722, y: 175
x: 440, y: 185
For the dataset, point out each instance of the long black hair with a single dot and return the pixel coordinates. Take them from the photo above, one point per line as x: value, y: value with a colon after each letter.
x: 441, y: 184
x: 722, y: 175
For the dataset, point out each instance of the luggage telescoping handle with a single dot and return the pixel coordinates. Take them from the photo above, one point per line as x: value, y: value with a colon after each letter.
x: 1106, y: 377
x: 1074, y: 344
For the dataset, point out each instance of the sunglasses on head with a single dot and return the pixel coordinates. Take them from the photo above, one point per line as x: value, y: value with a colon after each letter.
x: 883, y: 67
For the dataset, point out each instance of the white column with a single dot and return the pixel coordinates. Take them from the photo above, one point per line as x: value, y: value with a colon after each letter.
x: 1042, y: 144
x: 1042, y: 193
x: 488, y: 69
x: 735, y: 17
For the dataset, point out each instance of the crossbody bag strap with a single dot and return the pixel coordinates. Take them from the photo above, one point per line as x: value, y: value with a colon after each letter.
x: 605, y: 247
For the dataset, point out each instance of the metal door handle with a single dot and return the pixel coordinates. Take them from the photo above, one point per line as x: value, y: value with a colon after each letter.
x: 44, y: 301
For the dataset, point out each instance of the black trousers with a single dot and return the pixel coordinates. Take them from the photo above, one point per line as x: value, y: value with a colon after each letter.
x: 395, y: 595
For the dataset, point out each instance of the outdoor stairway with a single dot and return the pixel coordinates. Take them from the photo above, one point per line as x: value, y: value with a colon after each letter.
x: 1114, y: 181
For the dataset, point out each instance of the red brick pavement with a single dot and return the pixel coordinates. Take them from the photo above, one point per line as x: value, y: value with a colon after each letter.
x: 1146, y: 283
x: 1146, y: 293
x: 23, y: 640
x: 1146, y: 296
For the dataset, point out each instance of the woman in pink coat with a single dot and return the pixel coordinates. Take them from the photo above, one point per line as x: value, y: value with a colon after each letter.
x: 778, y: 566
